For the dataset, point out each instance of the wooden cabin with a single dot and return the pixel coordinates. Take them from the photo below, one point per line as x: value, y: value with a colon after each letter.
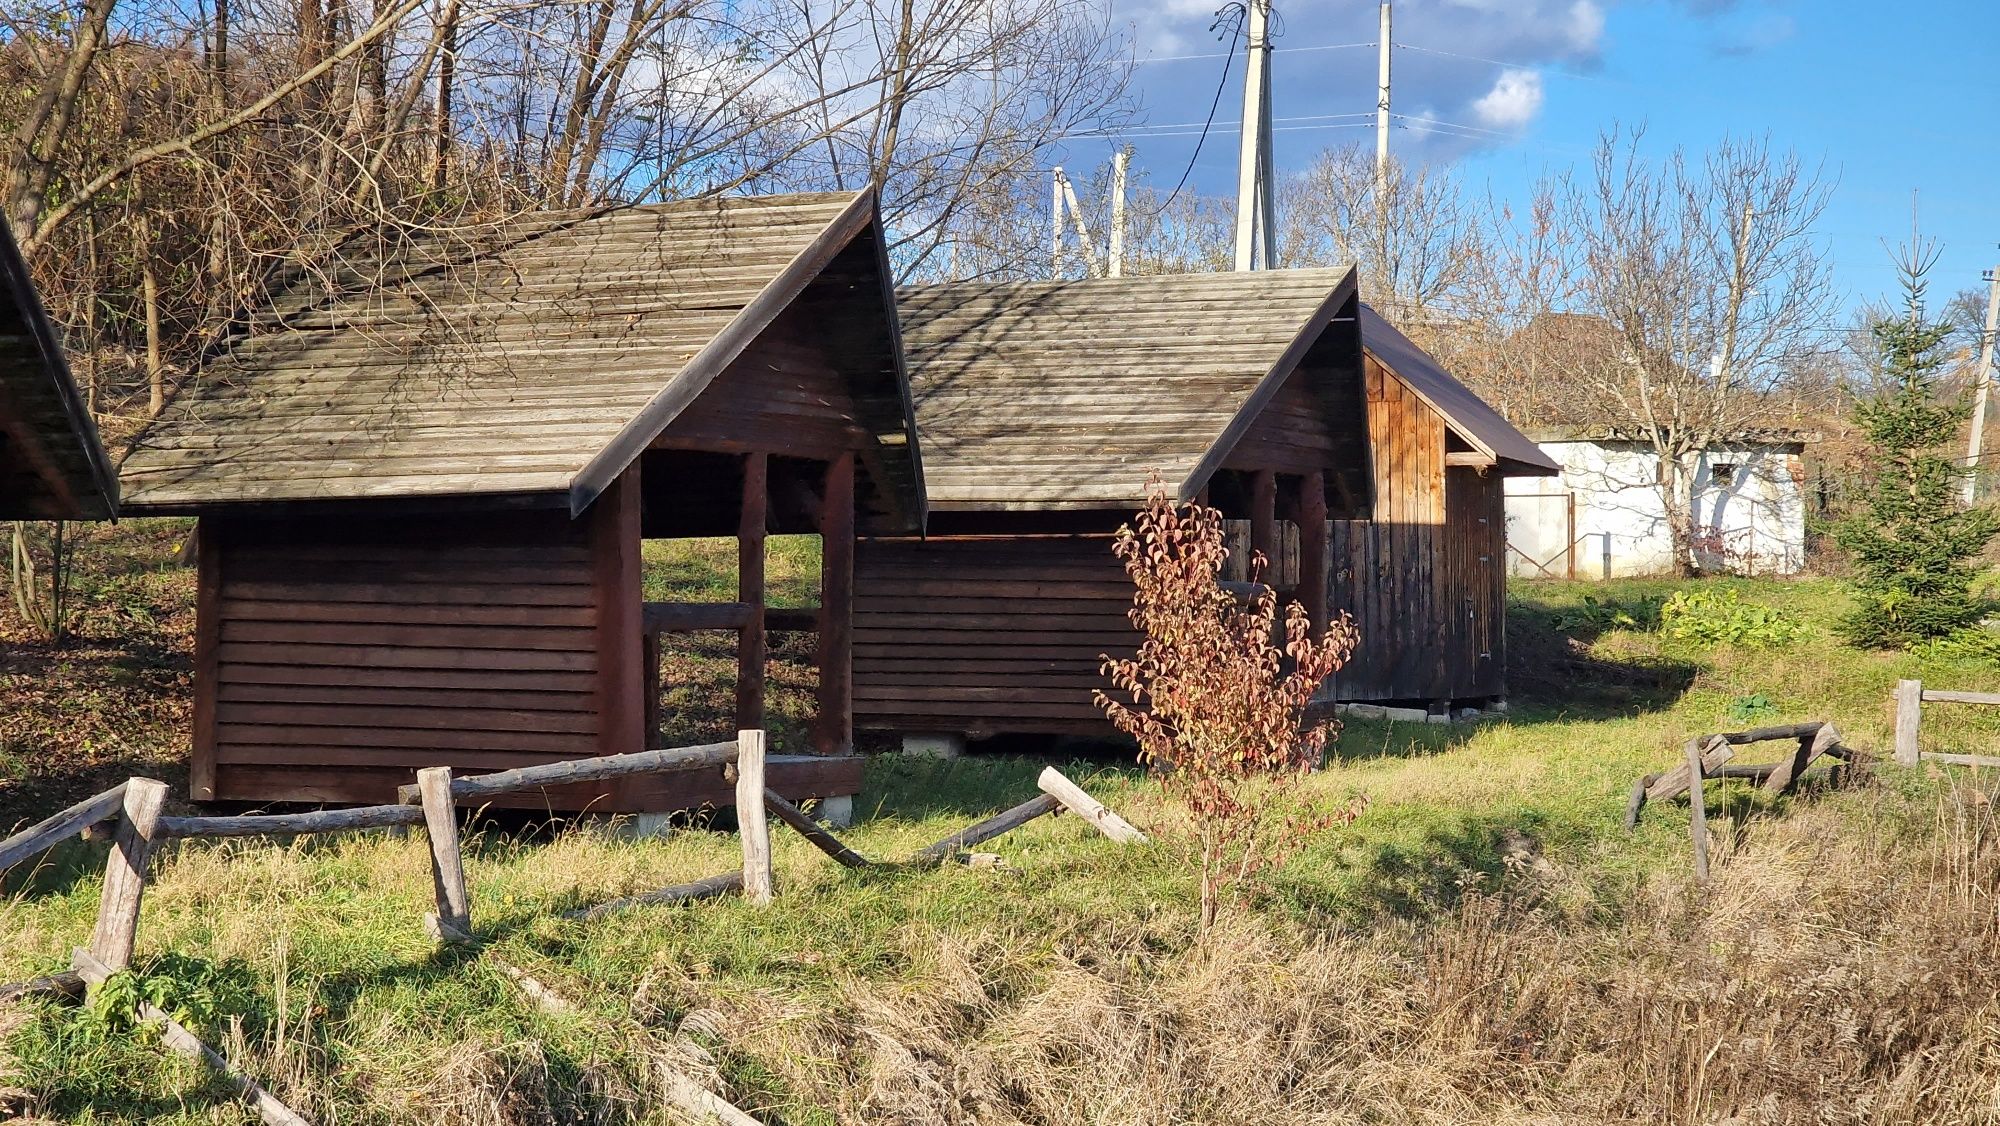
x: 1042, y: 409
x: 1426, y: 576
x: 423, y: 480
x: 52, y: 466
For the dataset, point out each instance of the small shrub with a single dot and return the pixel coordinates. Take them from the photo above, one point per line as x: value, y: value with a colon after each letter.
x: 1974, y: 644
x: 1642, y: 614
x: 1217, y: 700
x: 1718, y: 617
x: 1749, y: 709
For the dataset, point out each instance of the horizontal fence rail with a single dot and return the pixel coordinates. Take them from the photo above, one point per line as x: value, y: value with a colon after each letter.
x: 52, y: 831
x: 1911, y: 696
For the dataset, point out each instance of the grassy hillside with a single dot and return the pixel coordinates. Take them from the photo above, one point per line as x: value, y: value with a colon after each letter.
x: 1485, y: 944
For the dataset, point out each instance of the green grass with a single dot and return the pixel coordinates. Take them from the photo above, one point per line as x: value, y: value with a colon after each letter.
x: 348, y: 1009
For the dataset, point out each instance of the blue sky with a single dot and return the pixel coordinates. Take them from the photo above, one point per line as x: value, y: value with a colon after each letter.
x: 1888, y: 97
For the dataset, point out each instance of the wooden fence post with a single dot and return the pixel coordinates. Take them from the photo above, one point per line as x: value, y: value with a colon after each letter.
x: 751, y: 823
x: 125, y: 874
x: 1075, y: 799
x: 1909, y: 716
x: 1697, y: 812
x: 454, y: 910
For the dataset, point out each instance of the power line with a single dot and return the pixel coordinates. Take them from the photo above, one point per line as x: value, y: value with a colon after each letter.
x: 1235, y: 34
x: 1219, y: 55
x: 1503, y: 62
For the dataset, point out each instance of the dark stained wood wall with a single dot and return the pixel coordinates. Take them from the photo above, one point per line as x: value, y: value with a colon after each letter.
x: 987, y: 635
x: 1422, y: 578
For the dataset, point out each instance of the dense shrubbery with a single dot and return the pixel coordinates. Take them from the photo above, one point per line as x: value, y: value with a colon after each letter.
x: 1712, y: 616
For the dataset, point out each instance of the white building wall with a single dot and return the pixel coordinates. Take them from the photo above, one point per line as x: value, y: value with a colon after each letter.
x: 1753, y: 524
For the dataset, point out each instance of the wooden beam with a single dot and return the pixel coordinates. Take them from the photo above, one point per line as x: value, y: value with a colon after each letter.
x: 53, y: 830
x: 1697, y: 811
x: 750, y: 591
x: 821, y: 839
x: 1961, y: 760
x: 1909, y: 717
x: 649, y: 683
x: 706, y: 888
x: 1078, y: 801
x: 454, y: 908
x: 751, y: 826
x: 1006, y: 821
x: 1941, y: 696
x: 833, y: 727
x: 1312, y: 550
x: 1467, y: 459
x: 682, y: 617
x: 1264, y: 522
x: 614, y: 546
x: 583, y: 770
x: 117, y: 928
x: 208, y: 550
x: 293, y: 824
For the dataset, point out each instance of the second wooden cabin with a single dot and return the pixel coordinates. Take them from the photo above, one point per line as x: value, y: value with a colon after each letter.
x: 1365, y: 471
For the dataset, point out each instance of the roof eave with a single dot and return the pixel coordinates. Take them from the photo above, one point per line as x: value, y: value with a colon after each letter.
x: 694, y: 377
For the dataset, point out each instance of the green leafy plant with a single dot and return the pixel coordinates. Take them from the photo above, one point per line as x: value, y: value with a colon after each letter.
x: 1749, y: 709
x: 1721, y: 617
x: 114, y: 1006
x: 1640, y: 614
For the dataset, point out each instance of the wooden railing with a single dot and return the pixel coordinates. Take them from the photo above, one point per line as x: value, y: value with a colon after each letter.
x: 432, y: 802
x: 1911, y: 696
x: 657, y: 618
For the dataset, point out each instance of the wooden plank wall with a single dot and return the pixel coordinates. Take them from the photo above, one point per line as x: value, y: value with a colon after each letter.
x: 349, y: 653
x: 987, y: 635
x: 1421, y: 579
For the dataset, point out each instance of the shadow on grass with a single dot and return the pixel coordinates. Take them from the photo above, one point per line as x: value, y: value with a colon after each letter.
x: 913, y: 788
x: 1413, y: 871
x: 1553, y: 663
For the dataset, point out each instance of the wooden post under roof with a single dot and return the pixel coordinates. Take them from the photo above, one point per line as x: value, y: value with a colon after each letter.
x: 1264, y: 523
x: 750, y: 592
x: 207, y: 655
x: 614, y: 546
x: 1312, y: 550
x: 833, y: 727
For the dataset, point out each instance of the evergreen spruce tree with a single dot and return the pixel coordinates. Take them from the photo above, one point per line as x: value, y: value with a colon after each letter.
x: 1913, y: 543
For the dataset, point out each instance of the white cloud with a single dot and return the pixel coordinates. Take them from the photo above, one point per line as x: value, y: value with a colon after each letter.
x: 1513, y: 102
x: 1586, y: 25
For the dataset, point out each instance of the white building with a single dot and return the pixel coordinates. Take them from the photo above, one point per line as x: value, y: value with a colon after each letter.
x: 1604, y: 516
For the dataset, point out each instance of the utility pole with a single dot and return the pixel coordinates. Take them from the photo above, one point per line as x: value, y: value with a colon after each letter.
x: 1982, y: 383
x: 1083, y: 240
x: 1382, y: 111
x: 1056, y: 224
x: 1119, y: 162
x: 1252, y: 171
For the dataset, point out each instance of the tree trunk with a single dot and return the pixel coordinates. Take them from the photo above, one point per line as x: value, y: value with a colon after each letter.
x: 149, y: 290
x: 46, y: 124
x: 441, y: 123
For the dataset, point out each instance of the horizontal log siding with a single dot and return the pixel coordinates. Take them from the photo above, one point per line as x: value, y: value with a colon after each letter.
x: 351, y: 653
x: 1422, y: 578
x: 987, y: 635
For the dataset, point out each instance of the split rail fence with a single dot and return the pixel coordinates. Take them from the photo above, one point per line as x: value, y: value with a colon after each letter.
x: 1911, y: 696
x: 134, y: 808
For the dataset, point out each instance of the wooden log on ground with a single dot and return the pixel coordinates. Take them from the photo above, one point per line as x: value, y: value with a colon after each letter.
x: 1786, y: 771
x: 117, y: 927
x: 1771, y: 734
x: 1078, y: 801
x: 180, y: 1040
x: 294, y: 824
x: 1006, y: 821
x: 548, y: 1000
x: 707, y: 888
x: 809, y: 829
x: 51, y: 831
x: 752, y: 828
x: 68, y: 983
x: 698, y: 1101
x: 1714, y: 750
x: 1961, y: 760
x: 1945, y: 696
x: 584, y: 770
x: 1909, y: 718
x: 454, y: 908
x: 1697, y: 810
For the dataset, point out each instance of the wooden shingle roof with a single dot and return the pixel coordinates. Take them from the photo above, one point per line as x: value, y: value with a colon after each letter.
x: 1041, y: 395
x: 535, y: 358
x: 1470, y: 416
x: 52, y: 466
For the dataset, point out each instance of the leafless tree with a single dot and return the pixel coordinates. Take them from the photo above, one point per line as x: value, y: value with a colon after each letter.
x: 1419, y: 245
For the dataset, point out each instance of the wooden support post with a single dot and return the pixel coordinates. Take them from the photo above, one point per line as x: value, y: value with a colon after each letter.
x: 453, y: 920
x: 833, y: 727
x: 1697, y: 812
x: 207, y: 656
x: 132, y: 847
x: 826, y: 842
x: 751, y: 824
x: 750, y: 592
x: 1264, y: 523
x: 650, y: 684
x: 1005, y: 821
x: 1909, y: 718
x: 614, y: 524
x: 1312, y: 550
x: 1078, y: 801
